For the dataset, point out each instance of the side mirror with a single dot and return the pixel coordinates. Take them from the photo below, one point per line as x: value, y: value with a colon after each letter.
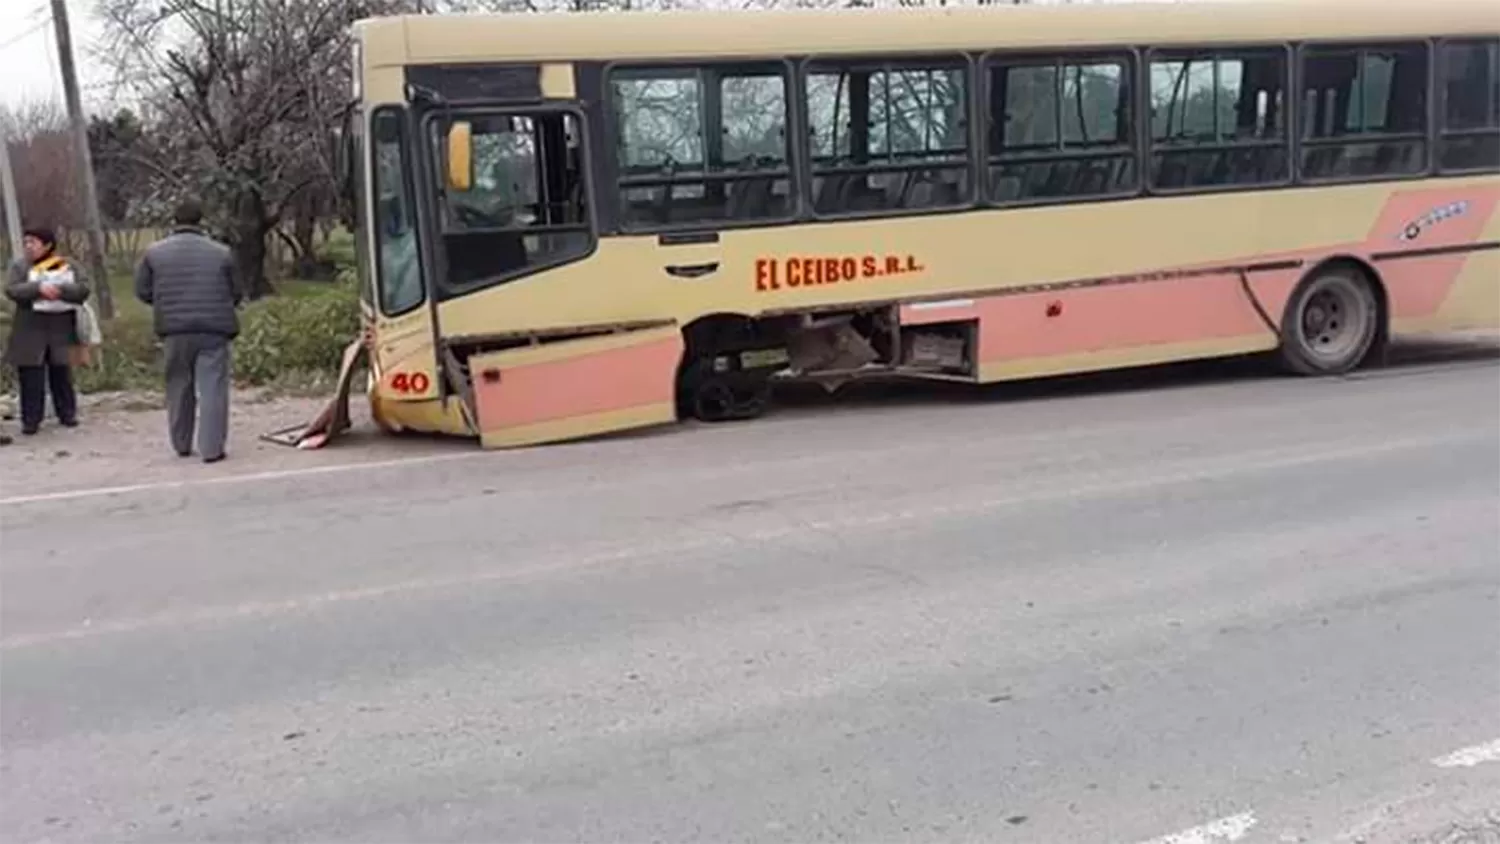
x: 460, y: 156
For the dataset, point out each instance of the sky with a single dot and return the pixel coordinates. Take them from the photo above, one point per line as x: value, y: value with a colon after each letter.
x: 28, y: 53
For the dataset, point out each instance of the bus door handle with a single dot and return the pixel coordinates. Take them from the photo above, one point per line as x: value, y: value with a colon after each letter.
x: 692, y: 270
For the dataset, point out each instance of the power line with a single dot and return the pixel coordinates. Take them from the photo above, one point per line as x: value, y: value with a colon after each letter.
x: 36, y: 27
x: 51, y: 50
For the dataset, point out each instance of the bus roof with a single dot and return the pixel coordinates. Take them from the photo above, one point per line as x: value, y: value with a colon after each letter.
x: 604, y: 36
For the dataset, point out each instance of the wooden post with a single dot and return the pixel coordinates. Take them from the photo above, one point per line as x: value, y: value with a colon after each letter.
x: 98, y: 272
x: 12, y: 205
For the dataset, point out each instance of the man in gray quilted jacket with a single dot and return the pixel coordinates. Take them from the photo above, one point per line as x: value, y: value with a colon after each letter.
x: 188, y: 280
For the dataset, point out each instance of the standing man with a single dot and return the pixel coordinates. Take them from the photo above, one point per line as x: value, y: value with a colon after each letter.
x: 47, y: 291
x: 188, y: 280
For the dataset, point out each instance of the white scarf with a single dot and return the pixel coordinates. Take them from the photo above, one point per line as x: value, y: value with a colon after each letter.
x: 57, y: 275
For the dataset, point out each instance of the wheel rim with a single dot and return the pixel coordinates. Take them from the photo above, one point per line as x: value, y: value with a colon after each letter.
x: 1335, y: 320
x: 713, y: 401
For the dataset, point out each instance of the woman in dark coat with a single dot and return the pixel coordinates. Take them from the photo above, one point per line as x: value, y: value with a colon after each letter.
x: 39, y: 340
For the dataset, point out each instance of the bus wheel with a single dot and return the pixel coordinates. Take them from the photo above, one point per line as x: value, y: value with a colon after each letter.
x: 722, y: 400
x: 1330, y: 323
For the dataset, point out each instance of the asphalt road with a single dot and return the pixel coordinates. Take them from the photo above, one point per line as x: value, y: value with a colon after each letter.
x: 1193, y: 609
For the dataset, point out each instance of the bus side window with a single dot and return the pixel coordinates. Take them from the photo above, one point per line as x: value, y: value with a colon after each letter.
x: 1364, y: 112
x: 699, y: 146
x: 1469, y: 81
x: 1060, y: 129
x: 888, y: 137
x: 526, y: 208
x: 1218, y: 119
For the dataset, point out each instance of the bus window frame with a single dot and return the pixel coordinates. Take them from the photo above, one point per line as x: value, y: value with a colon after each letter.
x: 1040, y: 56
x: 615, y: 167
x: 1440, y: 130
x: 413, y: 199
x: 1428, y: 136
x: 359, y: 172
x: 436, y: 164
x: 806, y: 65
x: 1219, y: 51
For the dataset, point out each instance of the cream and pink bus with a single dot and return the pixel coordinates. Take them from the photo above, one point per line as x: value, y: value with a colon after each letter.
x: 577, y: 224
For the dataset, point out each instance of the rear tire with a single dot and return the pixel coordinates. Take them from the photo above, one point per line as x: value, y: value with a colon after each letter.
x: 1330, y: 323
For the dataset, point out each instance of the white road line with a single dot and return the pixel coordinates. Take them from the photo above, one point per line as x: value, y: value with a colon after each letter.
x: 311, y: 471
x: 1232, y: 828
x: 99, y: 492
x: 1468, y: 757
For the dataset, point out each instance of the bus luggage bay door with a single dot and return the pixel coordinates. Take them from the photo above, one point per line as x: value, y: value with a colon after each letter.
x: 577, y: 388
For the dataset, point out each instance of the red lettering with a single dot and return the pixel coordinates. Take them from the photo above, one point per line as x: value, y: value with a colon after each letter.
x: 816, y: 270
x: 414, y: 382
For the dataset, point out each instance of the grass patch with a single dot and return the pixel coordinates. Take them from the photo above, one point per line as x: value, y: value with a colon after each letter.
x: 291, y: 342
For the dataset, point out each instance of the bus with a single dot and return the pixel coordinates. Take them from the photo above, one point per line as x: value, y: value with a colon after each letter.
x: 569, y: 225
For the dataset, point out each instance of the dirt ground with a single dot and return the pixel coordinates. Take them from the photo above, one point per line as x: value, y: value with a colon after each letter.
x: 122, y: 441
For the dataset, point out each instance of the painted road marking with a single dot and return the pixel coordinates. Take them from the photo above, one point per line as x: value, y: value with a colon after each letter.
x: 1232, y: 828
x: 1468, y: 757
x: 1271, y: 455
x: 283, y: 474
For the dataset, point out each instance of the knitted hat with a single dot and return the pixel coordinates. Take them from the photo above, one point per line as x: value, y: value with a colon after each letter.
x: 45, y: 235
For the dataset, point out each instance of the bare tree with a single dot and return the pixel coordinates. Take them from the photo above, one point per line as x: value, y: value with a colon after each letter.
x: 42, y: 158
x: 245, y: 95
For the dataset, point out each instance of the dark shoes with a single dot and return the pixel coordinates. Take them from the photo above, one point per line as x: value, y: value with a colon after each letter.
x: 31, y: 429
x: 214, y: 459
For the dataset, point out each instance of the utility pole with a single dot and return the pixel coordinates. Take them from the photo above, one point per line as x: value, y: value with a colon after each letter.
x: 12, y: 205
x: 98, y: 273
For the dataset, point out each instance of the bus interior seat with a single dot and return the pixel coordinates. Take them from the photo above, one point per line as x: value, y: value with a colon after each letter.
x: 1326, y: 162
x: 1398, y: 157
x: 751, y: 198
x: 829, y: 191
x: 754, y: 199
x: 850, y: 192
x: 932, y: 189
x: 1007, y: 188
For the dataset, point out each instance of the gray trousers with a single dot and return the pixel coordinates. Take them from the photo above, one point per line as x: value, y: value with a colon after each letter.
x: 198, y: 379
